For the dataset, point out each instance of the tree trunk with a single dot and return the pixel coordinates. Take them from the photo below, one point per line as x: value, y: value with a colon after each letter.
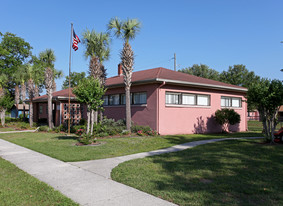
x: 128, y: 108
x: 36, y: 91
x: 17, y: 94
x: 30, y: 114
x: 92, y: 121
x: 88, y: 121
x: 101, y: 116
x: 23, y: 93
x: 3, y: 117
x: 50, y: 120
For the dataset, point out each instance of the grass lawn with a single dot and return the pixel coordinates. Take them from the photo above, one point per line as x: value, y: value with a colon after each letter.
x: 62, y: 147
x: 235, y: 172
x: 257, y: 126
x: 6, y: 129
x: 20, y: 188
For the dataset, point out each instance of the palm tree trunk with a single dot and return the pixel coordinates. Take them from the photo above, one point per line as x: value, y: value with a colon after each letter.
x: 128, y: 108
x: 30, y: 114
x: 50, y: 120
x: 36, y: 91
x: 23, y: 93
x: 17, y: 94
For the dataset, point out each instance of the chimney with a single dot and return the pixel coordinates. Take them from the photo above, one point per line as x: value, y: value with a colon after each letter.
x: 120, y: 71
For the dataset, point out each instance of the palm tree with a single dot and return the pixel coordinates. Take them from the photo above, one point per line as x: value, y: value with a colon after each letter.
x: 31, y: 89
x: 48, y: 58
x: 97, y: 48
x: 126, y: 30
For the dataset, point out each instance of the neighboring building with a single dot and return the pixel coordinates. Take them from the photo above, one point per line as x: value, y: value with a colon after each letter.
x: 253, y: 115
x: 60, y: 108
x: 173, y: 102
x: 18, y: 109
x: 168, y: 101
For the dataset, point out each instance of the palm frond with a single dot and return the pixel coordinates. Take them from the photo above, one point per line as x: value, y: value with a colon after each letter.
x: 116, y: 24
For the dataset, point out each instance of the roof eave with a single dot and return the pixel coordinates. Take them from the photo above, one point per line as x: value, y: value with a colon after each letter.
x: 219, y: 87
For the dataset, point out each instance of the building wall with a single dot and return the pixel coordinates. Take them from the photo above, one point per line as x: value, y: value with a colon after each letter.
x: 141, y: 114
x: 181, y: 119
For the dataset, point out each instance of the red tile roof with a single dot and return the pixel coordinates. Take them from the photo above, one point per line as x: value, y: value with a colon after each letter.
x: 61, y: 93
x: 161, y: 74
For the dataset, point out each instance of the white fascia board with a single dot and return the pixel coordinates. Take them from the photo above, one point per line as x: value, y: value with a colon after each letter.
x: 203, y: 85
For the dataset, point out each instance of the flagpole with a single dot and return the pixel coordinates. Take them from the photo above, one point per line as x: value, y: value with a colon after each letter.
x: 69, y: 120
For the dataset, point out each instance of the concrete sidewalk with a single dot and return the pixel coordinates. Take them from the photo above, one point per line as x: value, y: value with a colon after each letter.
x: 88, y: 182
x: 18, y: 131
x: 82, y: 186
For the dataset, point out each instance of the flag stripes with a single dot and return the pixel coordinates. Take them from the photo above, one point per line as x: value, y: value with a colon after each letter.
x: 76, y: 40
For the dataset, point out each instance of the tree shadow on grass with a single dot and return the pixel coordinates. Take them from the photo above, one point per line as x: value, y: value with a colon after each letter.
x: 241, y: 173
x: 66, y: 137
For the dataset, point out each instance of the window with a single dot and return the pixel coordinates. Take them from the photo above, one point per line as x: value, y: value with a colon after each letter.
x: 173, y: 98
x: 123, y: 99
x: 105, y: 100
x: 187, y: 99
x: 40, y: 109
x: 203, y: 100
x: 139, y: 98
x: 231, y: 102
x: 114, y: 99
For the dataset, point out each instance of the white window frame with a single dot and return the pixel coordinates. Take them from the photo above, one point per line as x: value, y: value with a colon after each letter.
x: 230, y: 102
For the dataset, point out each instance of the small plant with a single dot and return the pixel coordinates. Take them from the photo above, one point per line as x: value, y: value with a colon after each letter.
x: 140, y: 133
x: 43, y: 129
x: 144, y: 129
x: 86, y: 139
x: 80, y: 132
x: 152, y: 133
x: 125, y: 132
x: 103, y: 134
x: 56, y: 129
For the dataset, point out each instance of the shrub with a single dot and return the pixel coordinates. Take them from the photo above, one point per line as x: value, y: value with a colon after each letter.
x: 43, y: 129
x: 144, y: 129
x: 125, y: 132
x: 56, y: 129
x: 140, y: 133
x: 226, y: 117
x: 102, y: 134
x: 80, y: 132
x: 86, y: 139
x: 152, y: 133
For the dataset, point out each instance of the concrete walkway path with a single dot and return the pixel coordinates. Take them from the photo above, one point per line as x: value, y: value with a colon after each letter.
x: 87, y: 183
x: 104, y: 167
x: 18, y: 131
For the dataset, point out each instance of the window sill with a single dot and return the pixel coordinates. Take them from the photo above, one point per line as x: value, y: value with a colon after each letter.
x: 132, y: 105
x: 231, y: 108
x: 187, y: 106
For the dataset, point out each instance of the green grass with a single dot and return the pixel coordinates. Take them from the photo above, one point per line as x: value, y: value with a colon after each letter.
x: 63, y: 147
x: 257, y: 126
x: 19, y: 188
x: 235, y: 172
x: 6, y: 129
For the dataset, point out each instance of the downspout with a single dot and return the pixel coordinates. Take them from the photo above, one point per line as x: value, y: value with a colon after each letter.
x: 157, y: 119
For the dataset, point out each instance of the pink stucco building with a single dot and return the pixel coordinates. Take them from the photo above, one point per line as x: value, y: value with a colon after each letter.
x: 168, y: 101
x: 174, y: 103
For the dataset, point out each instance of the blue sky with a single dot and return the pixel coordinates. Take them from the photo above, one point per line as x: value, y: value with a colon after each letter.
x: 217, y: 33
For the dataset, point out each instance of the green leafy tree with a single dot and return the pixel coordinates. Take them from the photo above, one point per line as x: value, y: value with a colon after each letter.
x: 6, y: 103
x: 89, y: 91
x: 267, y: 96
x: 126, y: 30
x: 226, y: 117
x: 14, y: 52
x: 202, y: 70
x: 74, y: 80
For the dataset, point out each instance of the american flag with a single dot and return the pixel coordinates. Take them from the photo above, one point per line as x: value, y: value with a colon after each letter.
x: 76, y: 40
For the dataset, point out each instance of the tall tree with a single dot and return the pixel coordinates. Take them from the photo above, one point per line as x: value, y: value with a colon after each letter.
x: 267, y: 96
x: 30, y: 83
x: 48, y: 58
x: 3, y: 81
x: 90, y: 92
x: 127, y: 30
x: 97, y: 49
x: 14, y: 52
x: 202, y: 70
x: 74, y: 80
